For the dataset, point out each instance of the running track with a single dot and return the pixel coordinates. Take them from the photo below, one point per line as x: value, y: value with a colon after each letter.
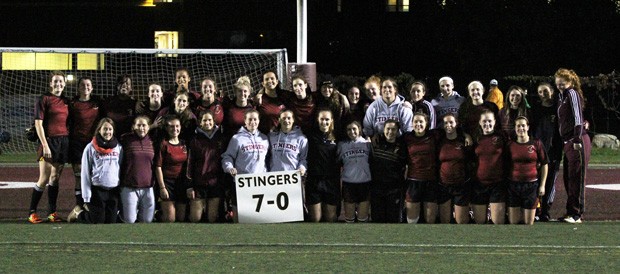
x: 601, y: 204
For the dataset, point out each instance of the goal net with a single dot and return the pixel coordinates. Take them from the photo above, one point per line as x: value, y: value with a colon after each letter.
x: 25, y: 75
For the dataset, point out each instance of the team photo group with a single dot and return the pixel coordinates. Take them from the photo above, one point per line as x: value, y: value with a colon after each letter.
x: 373, y: 152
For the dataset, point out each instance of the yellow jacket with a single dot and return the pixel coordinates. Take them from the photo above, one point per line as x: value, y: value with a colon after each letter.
x: 496, y: 96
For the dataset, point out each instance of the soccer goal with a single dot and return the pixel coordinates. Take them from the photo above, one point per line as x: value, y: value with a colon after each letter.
x: 25, y: 75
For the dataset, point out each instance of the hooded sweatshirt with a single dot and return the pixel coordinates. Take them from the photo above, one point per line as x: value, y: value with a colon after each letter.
x: 355, y: 156
x: 444, y: 106
x: 247, y: 152
x: 378, y: 112
x: 99, y: 169
x: 288, y: 150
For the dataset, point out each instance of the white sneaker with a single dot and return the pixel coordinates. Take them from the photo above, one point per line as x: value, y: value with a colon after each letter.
x: 573, y: 220
x: 73, y: 215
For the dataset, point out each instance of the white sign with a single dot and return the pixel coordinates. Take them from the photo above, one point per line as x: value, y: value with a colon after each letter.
x: 272, y: 197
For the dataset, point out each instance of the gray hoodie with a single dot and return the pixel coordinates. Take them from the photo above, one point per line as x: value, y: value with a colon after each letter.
x: 355, y: 156
x: 378, y: 112
x: 288, y: 150
x: 247, y: 152
x: 102, y: 170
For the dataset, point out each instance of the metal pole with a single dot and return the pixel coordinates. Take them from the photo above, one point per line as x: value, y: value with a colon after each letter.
x: 302, y: 31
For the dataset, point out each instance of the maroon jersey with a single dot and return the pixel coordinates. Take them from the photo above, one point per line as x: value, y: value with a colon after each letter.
x: 304, y: 110
x: 205, y: 158
x: 215, y: 108
x: 422, y: 158
x: 83, y: 116
x: 454, y: 157
x: 54, y: 111
x: 120, y: 109
x: 168, y: 97
x: 172, y: 159
x: 490, y: 158
x: 269, y: 110
x: 469, y: 116
x: 234, y: 118
x: 524, y: 160
x: 138, y: 155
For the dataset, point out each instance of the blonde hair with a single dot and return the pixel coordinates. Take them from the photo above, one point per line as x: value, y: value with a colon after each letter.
x: 243, y: 81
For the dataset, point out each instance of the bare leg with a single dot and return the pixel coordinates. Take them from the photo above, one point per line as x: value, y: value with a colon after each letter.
x: 314, y: 211
x: 528, y: 216
x: 445, y: 212
x: 430, y: 212
x: 480, y: 213
x: 413, y: 212
x: 349, y: 212
x: 180, y: 211
x: 212, y: 209
x: 461, y: 214
x: 167, y: 211
x: 329, y: 213
x: 363, y: 210
x: 498, y: 213
x: 196, y: 208
x: 515, y: 215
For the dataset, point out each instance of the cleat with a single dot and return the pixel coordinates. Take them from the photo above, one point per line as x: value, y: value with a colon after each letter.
x: 573, y: 220
x: 54, y: 218
x: 34, y: 219
x: 73, y: 215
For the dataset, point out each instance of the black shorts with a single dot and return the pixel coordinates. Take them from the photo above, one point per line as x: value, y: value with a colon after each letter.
x: 322, y: 191
x: 76, y: 149
x: 177, y: 191
x: 355, y: 192
x: 459, y: 194
x: 59, y: 146
x: 523, y: 194
x: 485, y: 194
x: 418, y: 191
x: 208, y: 192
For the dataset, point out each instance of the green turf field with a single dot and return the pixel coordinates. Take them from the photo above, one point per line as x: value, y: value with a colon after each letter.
x: 305, y: 247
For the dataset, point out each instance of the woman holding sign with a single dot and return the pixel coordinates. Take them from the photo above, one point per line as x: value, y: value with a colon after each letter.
x: 246, y: 152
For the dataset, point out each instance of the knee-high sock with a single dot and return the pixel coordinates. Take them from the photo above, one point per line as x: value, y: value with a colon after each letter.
x: 52, y: 196
x: 37, y: 193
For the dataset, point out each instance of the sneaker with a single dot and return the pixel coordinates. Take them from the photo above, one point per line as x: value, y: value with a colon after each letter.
x: 54, y: 218
x: 73, y: 215
x: 573, y: 220
x: 34, y: 218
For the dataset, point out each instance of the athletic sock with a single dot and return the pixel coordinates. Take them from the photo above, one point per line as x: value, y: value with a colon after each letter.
x: 79, y: 200
x: 37, y: 193
x: 52, y: 196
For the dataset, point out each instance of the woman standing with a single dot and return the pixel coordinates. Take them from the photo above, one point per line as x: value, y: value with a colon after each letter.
x: 528, y: 174
x: 137, y: 195
x: 323, y: 182
x: 332, y: 99
x: 246, y: 152
x: 171, y: 171
x: 50, y: 120
x: 545, y: 128
x: 489, y: 188
x: 205, y: 171
x: 577, y: 144
x: 83, y: 117
x: 101, y: 164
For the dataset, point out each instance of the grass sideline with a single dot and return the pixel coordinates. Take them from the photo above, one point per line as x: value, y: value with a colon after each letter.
x: 306, y: 247
x: 603, y: 156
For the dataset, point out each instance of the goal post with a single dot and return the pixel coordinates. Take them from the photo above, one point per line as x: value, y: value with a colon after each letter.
x: 25, y: 75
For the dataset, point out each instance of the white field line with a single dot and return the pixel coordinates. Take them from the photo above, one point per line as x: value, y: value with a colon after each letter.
x: 318, y: 245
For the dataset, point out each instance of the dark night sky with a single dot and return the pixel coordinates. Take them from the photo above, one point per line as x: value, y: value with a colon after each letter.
x: 468, y: 39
